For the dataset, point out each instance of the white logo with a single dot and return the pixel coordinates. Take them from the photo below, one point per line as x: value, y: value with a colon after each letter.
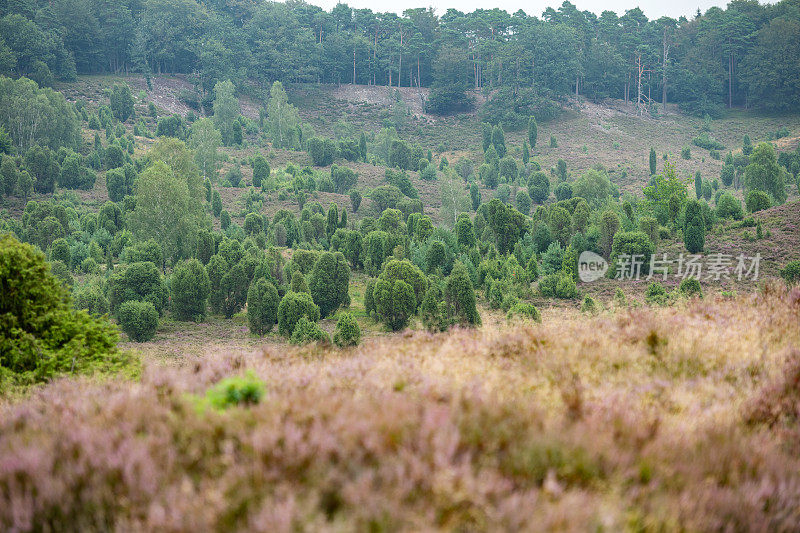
x: 591, y: 267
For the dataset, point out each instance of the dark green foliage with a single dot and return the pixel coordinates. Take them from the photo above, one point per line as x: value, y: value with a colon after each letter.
x: 59, y: 251
x: 343, y: 179
x: 234, y: 176
x: 121, y: 102
x: 694, y: 235
x: 400, y: 179
x: 189, y: 289
x: 224, y: 219
x: 262, y: 306
x: 233, y: 290
x: 652, y: 161
x: 216, y: 203
x: 74, y: 175
x: 171, y: 126
x: 533, y: 132
x: 385, y: 197
x: 43, y: 166
x: 428, y: 173
x: 539, y: 187
x: 475, y: 196
x: 727, y: 174
x: 507, y: 223
x: 253, y: 224
x: 656, y: 294
x: 369, y: 301
x: 465, y: 233
x: 632, y: 243
x: 690, y: 287
x: 563, y: 191
x: 216, y: 268
x: 293, y: 306
x: 460, y: 297
x: 261, y: 170
x: 524, y: 311
x: 355, y: 200
x: 394, y: 302
x: 704, y: 141
x: 791, y: 273
x: 329, y: 282
x: 139, y: 320
x: 499, y: 140
x: 321, y: 151
x: 433, y: 309
x: 409, y: 273
x: 764, y: 174
x: 118, y: 181
x: 140, y: 281
x: 757, y: 201
x: 728, y: 206
x: 436, y: 256
x: 347, y: 332
x: 298, y: 283
x: 306, y: 331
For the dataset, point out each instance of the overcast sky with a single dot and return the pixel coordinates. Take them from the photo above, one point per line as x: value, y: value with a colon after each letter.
x: 652, y: 8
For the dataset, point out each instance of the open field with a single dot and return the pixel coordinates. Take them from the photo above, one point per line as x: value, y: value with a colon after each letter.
x: 682, y: 418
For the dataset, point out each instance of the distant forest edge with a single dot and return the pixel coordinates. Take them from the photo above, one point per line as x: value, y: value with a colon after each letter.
x: 746, y: 55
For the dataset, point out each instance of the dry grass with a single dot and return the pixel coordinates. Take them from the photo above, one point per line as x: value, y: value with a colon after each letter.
x: 650, y: 419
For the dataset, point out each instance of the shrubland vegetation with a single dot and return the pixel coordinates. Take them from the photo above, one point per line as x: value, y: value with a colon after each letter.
x: 245, y: 221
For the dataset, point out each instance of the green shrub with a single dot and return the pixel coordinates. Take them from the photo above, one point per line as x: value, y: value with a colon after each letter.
x: 262, y: 306
x: 293, y: 306
x: 138, y: 320
x: 632, y: 243
x: 235, y: 391
x: 694, y: 235
x: 686, y: 152
x: 261, y: 170
x: 233, y: 289
x: 728, y: 206
x: 347, y: 332
x: 656, y: 294
x: 41, y: 336
x: 524, y: 311
x: 91, y: 298
x: 757, y: 201
x: 299, y: 283
x: 589, y: 305
x: 189, y: 288
x: 138, y: 281
x: 395, y: 302
x: 791, y: 273
x: 306, y: 331
x: 329, y: 282
x: 408, y: 272
x: 459, y: 296
x: 690, y: 287
x: 566, y: 288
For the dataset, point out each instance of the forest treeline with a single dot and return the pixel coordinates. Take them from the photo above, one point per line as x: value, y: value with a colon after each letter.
x: 744, y: 55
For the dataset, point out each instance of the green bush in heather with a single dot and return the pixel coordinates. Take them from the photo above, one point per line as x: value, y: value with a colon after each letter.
x: 347, y: 332
x: 293, y: 306
x: 262, y: 306
x: 306, y: 331
x: 139, y: 320
x: 189, y: 288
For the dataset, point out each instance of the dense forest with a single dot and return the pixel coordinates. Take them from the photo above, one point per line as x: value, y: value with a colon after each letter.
x: 745, y: 55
